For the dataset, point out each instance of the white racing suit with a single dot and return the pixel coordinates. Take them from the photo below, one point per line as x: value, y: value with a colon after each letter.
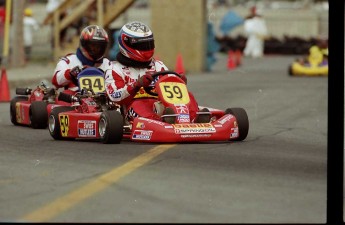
x: 62, y: 77
x: 119, y: 84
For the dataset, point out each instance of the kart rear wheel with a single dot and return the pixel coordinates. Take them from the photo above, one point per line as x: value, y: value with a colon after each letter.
x: 242, y: 121
x: 110, y: 127
x: 39, y: 115
x: 13, y: 111
x: 53, y: 121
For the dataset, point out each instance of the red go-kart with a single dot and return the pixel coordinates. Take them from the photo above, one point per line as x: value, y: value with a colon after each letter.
x: 91, y: 114
x: 210, y: 125
x: 31, y: 106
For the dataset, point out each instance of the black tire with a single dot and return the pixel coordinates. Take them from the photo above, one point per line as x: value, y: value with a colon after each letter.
x: 39, y: 115
x: 13, y: 111
x: 242, y: 121
x: 53, y: 121
x: 110, y: 127
x: 290, y: 70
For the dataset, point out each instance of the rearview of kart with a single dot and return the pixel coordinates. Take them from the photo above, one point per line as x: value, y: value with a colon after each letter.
x: 90, y: 116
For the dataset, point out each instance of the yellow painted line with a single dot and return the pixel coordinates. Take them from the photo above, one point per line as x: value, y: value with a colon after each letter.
x: 63, y: 203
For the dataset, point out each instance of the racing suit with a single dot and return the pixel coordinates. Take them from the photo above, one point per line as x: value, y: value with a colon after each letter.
x: 62, y: 74
x: 119, y: 82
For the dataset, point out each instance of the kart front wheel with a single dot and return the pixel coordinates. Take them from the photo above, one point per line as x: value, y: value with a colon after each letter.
x: 53, y: 121
x: 242, y: 121
x: 38, y: 115
x: 110, y: 127
x: 13, y: 110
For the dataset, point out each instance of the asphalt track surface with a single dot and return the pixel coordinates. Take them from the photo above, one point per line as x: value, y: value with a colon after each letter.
x: 278, y: 174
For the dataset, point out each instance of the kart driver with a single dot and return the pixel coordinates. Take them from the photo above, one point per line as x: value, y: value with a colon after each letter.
x: 132, y: 71
x: 318, y: 53
x: 90, y: 53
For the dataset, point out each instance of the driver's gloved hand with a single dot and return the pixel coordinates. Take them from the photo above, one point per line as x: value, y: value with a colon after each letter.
x: 74, y: 72
x: 143, y: 81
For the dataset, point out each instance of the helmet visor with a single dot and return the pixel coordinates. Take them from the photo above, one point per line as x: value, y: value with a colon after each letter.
x: 142, y: 44
x: 96, y: 49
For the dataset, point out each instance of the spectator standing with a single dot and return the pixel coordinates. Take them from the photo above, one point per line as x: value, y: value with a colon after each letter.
x: 256, y: 30
x: 30, y: 26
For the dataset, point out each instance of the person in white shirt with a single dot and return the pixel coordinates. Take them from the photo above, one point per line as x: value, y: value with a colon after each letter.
x: 30, y: 26
x: 256, y: 30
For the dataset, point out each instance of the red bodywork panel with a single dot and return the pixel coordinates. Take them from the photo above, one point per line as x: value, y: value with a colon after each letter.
x: 75, y: 124
x: 146, y: 130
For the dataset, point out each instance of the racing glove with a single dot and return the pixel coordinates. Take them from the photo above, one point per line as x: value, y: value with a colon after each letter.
x: 143, y: 81
x: 74, y: 71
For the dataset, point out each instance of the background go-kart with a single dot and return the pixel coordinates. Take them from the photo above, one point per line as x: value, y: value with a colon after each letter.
x: 277, y: 175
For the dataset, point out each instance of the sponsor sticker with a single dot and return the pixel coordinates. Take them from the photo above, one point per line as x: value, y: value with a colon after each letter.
x: 195, y: 135
x: 234, y: 132
x: 194, y: 128
x: 142, y: 134
x: 140, y: 125
x: 116, y: 94
x: 183, y: 118
x: 182, y: 109
x: 152, y: 121
x: 86, y: 128
x: 225, y: 119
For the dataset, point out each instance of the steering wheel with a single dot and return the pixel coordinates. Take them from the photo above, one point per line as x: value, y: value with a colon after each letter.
x: 161, y: 73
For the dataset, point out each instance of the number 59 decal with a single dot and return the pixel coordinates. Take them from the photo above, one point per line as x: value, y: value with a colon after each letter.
x: 174, y: 92
x: 64, y: 124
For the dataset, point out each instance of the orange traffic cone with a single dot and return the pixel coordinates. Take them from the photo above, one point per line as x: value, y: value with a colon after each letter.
x: 179, y: 68
x: 231, y: 60
x: 4, y: 87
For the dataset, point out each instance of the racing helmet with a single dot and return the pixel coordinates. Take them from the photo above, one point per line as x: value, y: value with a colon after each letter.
x: 136, y: 41
x: 93, y: 42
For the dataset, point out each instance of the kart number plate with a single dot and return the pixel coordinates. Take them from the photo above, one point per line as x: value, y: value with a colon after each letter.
x: 174, y: 92
x: 64, y: 125
x: 95, y: 83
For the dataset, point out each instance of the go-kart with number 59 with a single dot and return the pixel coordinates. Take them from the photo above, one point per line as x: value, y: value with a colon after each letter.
x: 176, y: 126
x: 91, y: 114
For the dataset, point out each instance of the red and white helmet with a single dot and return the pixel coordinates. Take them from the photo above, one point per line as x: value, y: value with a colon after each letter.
x: 93, y: 42
x: 136, y: 41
